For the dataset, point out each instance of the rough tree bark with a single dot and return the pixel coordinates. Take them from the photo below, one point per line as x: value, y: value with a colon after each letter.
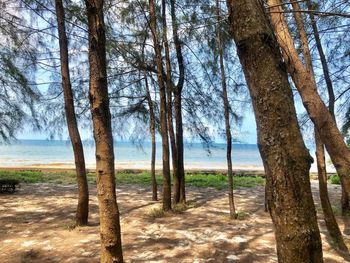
x: 178, y: 104
x: 306, y: 85
x: 345, y: 205
x: 285, y: 157
x: 111, y: 246
x: 330, y: 220
x: 163, y: 110
x: 152, y: 128
x: 82, y: 213
x: 227, y: 116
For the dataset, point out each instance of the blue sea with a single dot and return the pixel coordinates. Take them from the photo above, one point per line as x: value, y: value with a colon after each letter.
x: 59, y: 154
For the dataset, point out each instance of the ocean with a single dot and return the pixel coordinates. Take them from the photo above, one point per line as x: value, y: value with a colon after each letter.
x: 59, y: 154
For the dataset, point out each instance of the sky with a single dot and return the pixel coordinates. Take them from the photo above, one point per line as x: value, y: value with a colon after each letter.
x: 247, y: 133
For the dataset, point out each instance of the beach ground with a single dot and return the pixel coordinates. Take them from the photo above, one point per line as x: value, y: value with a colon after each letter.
x: 37, y: 225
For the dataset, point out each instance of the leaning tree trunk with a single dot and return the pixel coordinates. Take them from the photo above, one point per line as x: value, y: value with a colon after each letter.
x: 306, y: 85
x: 331, y: 223
x: 285, y: 157
x: 329, y: 218
x: 178, y: 104
x: 83, y: 191
x: 227, y: 116
x: 331, y: 98
x: 163, y: 110
x: 111, y: 245
x: 152, y: 128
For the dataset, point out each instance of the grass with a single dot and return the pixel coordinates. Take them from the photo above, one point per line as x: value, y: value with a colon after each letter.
x: 155, y: 213
x: 218, y: 181
x: 334, y: 179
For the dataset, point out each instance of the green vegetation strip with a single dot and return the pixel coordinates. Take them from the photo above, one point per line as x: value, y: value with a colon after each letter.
x: 218, y: 181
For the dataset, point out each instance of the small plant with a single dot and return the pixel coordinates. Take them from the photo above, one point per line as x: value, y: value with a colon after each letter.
x: 156, y: 213
x: 241, y: 215
x: 334, y: 179
x: 70, y: 226
x: 179, y: 208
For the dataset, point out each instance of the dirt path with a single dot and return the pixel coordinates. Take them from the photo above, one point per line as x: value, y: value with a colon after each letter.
x: 36, y: 226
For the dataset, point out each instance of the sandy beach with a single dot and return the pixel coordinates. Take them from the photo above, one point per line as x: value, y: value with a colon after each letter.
x: 37, y: 227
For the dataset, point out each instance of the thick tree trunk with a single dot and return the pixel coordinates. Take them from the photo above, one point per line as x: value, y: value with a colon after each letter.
x: 111, y: 246
x: 152, y: 128
x: 331, y: 98
x: 227, y: 116
x: 83, y: 191
x: 329, y: 218
x: 163, y: 110
x: 285, y: 157
x: 306, y: 85
x: 178, y: 105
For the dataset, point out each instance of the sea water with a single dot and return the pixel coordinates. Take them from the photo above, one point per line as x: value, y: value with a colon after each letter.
x: 53, y: 153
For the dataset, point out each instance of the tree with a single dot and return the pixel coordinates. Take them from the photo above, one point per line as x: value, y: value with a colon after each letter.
x: 163, y: 109
x: 227, y: 116
x: 285, y: 157
x: 111, y: 245
x: 306, y: 85
x: 83, y: 192
x: 152, y: 124
x: 331, y: 96
x: 330, y: 220
x: 178, y: 88
x: 18, y: 60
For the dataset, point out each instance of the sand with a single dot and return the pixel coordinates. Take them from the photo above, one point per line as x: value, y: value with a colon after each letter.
x: 36, y: 226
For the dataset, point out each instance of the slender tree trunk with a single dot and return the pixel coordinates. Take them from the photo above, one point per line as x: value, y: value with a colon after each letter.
x: 176, y: 181
x: 329, y: 218
x: 180, y: 146
x: 331, y: 98
x: 152, y: 128
x: 227, y: 116
x: 178, y: 104
x: 111, y: 245
x: 169, y: 88
x: 163, y: 110
x: 285, y: 157
x: 306, y: 85
x: 83, y: 191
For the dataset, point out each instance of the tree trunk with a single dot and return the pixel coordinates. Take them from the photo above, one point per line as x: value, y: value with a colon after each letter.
x: 163, y: 110
x: 152, y: 128
x: 111, y: 246
x: 331, y: 98
x: 331, y: 222
x: 169, y: 88
x: 306, y: 85
x: 178, y: 105
x: 83, y: 191
x: 227, y: 116
x: 285, y: 157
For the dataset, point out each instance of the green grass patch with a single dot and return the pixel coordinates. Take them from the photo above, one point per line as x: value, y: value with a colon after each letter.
x: 334, y: 179
x: 241, y: 215
x: 218, y: 181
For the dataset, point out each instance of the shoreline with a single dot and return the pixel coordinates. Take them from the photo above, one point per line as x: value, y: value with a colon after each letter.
x: 238, y: 170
